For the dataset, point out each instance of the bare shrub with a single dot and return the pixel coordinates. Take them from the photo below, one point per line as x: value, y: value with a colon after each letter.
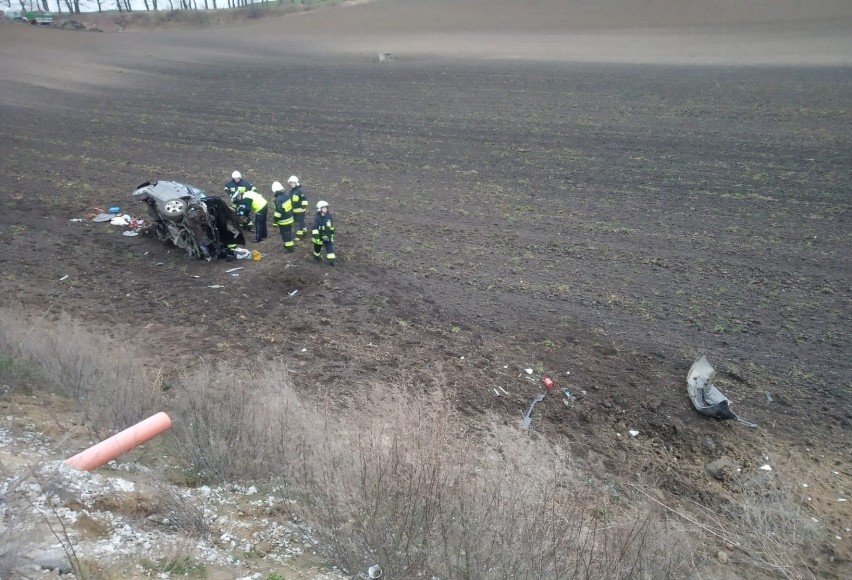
x: 111, y: 388
x: 774, y: 532
x: 13, y: 542
x: 182, y: 513
x: 406, y: 492
x: 238, y: 423
x: 766, y: 525
x: 394, y: 484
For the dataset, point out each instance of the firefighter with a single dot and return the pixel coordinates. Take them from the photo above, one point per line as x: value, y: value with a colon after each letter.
x: 300, y: 206
x: 253, y: 201
x: 282, y: 218
x: 323, y: 233
x: 236, y: 188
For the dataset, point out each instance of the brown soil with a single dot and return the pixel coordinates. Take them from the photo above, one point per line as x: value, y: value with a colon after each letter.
x: 611, y: 221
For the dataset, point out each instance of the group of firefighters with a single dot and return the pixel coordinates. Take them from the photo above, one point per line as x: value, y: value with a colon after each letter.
x: 290, y: 206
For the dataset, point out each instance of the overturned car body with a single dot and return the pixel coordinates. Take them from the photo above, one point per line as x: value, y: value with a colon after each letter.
x: 183, y: 215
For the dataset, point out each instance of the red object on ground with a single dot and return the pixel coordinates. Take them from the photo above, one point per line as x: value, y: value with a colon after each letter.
x: 548, y: 383
x: 109, y: 449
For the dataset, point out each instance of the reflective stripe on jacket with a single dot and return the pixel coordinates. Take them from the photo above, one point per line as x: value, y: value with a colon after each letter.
x: 299, y: 199
x: 283, y: 215
x: 323, y: 227
x: 236, y: 190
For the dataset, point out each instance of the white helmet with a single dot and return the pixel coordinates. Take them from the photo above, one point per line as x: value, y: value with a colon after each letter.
x: 321, y: 204
x: 236, y: 175
x: 293, y: 180
x: 276, y: 186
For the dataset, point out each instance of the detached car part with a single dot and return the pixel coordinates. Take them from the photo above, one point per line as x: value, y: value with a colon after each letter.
x: 186, y: 217
x: 705, y: 397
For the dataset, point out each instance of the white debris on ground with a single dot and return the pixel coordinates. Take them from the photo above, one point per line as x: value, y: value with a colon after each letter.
x: 138, y: 521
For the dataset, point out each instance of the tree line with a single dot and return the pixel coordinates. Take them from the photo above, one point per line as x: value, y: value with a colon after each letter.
x: 77, y: 6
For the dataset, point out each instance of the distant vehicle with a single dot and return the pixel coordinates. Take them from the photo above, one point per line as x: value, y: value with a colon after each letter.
x: 39, y: 17
x: 188, y: 218
x: 15, y: 15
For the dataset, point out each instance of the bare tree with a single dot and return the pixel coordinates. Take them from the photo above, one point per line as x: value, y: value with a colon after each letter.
x: 73, y: 6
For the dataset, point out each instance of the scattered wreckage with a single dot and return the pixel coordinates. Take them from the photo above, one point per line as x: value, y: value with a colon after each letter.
x: 705, y: 397
x: 186, y: 217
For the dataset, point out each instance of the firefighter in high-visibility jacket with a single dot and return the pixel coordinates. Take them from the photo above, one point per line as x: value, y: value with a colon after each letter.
x: 282, y: 217
x: 323, y: 233
x: 300, y: 206
x: 235, y: 189
x: 254, y: 202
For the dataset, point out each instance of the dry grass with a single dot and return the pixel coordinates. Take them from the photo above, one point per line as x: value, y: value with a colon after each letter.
x: 237, y: 423
x: 110, y: 386
x: 391, y: 481
x: 12, y: 539
x: 774, y: 532
x: 394, y: 484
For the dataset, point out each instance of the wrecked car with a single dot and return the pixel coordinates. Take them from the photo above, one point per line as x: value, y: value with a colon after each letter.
x: 186, y: 217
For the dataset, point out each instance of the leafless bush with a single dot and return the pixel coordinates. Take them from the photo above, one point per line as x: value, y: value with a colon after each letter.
x: 406, y: 492
x: 182, y: 513
x: 112, y: 389
x: 238, y: 423
x: 47, y: 505
x: 765, y: 525
x: 12, y: 541
x: 773, y: 531
x: 394, y: 483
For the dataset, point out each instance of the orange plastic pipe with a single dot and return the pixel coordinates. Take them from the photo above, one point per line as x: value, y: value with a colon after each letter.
x: 108, y: 449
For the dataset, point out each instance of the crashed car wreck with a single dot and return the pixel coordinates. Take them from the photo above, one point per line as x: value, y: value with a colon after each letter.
x: 185, y: 216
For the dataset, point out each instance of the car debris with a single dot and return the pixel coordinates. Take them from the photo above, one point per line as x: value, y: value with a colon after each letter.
x: 184, y: 215
x: 706, y: 398
x: 528, y: 417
